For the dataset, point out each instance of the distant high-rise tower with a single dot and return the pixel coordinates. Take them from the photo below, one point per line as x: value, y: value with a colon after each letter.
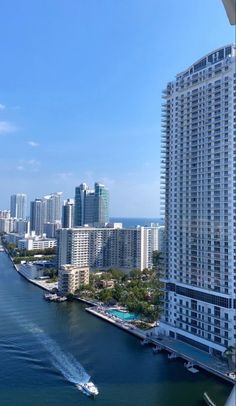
x: 53, y: 207
x: 91, y: 206
x: 46, y: 210
x: 68, y: 213
x: 199, y: 119
x: 79, y: 214
x: 101, y: 204
x: 18, y: 206
x: 37, y: 216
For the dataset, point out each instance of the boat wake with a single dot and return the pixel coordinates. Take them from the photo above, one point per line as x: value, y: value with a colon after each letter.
x: 65, y: 363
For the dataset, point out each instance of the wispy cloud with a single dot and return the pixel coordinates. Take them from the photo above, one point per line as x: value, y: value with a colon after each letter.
x: 31, y: 165
x: 2, y: 106
x: 6, y: 127
x: 64, y: 175
x: 33, y: 144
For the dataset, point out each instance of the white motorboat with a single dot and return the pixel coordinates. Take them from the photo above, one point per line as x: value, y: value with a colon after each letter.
x: 190, y: 367
x: 88, y: 388
x: 172, y: 355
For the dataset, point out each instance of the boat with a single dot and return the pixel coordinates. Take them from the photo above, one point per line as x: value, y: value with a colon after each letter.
x: 190, y: 367
x: 88, y: 388
x: 172, y: 355
x: 231, y: 375
x: 156, y: 349
x: 53, y: 297
x: 61, y: 299
x: 208, y: 400
x: 144, y: 341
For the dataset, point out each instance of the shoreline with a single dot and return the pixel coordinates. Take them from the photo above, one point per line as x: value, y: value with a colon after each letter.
x: 150, y: 340
x: 39, y: 284
x: 161, y: 343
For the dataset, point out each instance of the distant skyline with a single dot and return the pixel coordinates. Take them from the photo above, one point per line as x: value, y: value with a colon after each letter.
x: 80, y: 92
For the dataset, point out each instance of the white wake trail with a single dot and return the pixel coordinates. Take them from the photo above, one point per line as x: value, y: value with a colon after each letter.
x: 69, y: 367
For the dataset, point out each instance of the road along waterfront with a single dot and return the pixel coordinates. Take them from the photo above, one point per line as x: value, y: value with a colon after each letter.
x: 43, y: 345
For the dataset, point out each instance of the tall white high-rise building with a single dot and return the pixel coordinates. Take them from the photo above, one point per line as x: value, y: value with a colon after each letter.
x: 18, y: 206
x: 199, y: 119
x: 46, y: 210
x: 53, y: 204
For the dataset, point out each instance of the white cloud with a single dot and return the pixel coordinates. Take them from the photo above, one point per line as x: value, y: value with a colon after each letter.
x: 6, y: 127
x: 33, y: 143
x: 2, y: 106
x: 31, y: 165
x: 64, y: 175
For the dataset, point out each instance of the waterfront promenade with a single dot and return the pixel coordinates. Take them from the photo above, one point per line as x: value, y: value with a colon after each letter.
x: 182, y: 350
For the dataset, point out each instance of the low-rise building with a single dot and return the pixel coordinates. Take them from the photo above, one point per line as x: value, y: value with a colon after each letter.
x: 108, y: 284
x: 33, y: 242
x: 71, y: 278
x: 30, y: 270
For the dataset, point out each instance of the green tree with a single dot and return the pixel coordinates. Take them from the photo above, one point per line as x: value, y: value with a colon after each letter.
x: 230, y: 355
x: 135, y: 273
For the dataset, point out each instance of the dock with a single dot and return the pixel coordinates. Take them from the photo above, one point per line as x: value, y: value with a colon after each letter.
x: 188, y: 353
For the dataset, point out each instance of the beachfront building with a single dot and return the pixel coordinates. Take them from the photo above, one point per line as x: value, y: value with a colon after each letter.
x: 106, y: 247
x: 71, y: 278
x: 199, y: 119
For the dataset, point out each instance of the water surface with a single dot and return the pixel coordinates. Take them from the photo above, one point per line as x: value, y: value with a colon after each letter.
x: 46, y: 347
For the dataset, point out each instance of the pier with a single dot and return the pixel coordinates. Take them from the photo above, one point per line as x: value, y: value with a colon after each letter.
x: 181, y: 350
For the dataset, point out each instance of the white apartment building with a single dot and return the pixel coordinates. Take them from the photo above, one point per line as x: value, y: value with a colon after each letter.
x: 7, y: 225
x: 33, y: 242
x: 158, y: 237
x: 199, y: 120
x: 5, y: 214
x: 104, y: 248
x: 30, y: 270
x: 71, y: 278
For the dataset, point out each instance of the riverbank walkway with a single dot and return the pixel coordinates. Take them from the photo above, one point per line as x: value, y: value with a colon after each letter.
x: 182, y: 350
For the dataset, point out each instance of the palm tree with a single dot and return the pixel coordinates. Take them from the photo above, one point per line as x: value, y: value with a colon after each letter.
x: 230, y: 355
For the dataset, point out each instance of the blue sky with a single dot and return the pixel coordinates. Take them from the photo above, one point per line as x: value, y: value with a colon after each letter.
x: 80, y: 92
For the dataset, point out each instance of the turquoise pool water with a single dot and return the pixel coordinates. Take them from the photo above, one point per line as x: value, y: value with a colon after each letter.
x: 123, y: 315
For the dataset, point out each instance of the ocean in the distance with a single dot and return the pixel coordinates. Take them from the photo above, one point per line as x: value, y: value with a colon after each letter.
x: 136, y: 221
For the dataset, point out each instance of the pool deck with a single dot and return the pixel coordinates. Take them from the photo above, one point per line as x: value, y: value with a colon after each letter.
x: 182, y: 350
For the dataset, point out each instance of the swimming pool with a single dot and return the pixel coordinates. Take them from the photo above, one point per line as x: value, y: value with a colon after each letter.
x: 126, y: 316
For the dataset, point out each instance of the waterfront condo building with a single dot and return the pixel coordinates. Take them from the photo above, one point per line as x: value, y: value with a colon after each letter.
x: 105, y: 248
x: 199, y: 145
x: 71, y: 278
